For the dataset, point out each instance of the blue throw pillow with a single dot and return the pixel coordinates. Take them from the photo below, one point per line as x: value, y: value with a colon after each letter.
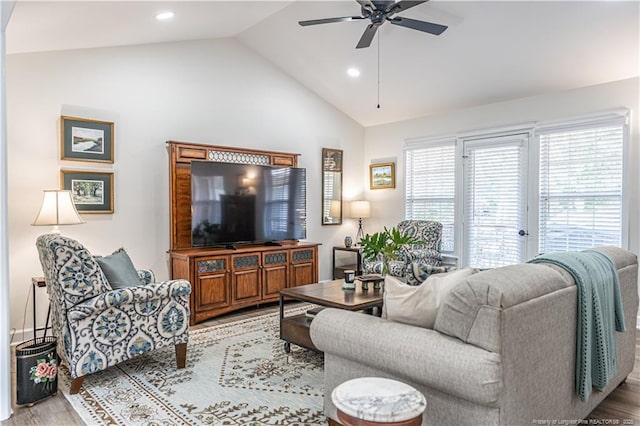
x: 119, y: 270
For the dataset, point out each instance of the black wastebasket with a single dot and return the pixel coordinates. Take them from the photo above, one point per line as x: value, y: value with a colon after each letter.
x: 37, y: 370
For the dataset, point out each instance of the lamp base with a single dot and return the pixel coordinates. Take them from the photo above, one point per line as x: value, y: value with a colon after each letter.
x: 360, y: 234
x: 55, y: 230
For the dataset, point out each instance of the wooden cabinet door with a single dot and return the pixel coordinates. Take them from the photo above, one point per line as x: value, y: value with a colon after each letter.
x: 275, y: 274
x: 212, y: 283
x: 245, y: 281
x: 303, y: 266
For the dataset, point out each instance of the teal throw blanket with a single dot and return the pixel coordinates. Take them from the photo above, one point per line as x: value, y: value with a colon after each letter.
x: 599, y: 313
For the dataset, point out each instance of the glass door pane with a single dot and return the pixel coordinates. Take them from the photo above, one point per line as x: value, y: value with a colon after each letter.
x: 495, y: 201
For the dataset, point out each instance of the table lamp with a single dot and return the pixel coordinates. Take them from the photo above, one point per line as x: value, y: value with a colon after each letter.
x: 57, y: 209
x: 360, y: 210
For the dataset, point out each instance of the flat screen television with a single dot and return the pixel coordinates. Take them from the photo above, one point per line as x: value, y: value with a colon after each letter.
x: 243, y: 203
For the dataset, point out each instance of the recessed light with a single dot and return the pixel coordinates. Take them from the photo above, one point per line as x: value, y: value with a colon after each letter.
x: 164, y: 16
x: 353, y: 72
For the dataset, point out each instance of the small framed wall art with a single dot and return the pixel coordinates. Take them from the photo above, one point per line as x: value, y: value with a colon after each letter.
x: 382, y: 175
x: 82, y: 139
x: 92, y: 191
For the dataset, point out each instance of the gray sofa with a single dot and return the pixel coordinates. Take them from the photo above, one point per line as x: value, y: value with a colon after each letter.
x: 502, y: 350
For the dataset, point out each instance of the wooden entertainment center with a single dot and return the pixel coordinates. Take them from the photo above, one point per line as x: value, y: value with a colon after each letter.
x: 226, y: 279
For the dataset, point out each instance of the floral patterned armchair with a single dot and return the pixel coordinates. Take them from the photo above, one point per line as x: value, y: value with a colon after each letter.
x: 427, y: 252
x: 96, y: 326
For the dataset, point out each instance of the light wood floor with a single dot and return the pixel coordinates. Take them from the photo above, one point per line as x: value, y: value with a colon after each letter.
x: 622, y: 407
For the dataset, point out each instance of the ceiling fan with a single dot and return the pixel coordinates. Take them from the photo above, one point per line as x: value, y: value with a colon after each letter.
x: 379, y: 12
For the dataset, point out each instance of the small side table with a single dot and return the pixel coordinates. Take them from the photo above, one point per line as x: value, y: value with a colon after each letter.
x: 372, y: 401
x: 338, y: 271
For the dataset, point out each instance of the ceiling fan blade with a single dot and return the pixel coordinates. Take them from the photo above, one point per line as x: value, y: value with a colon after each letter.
x: 427, y: 27
x: 403, y: 5
x: 329, y: 20
x: 367, y: 36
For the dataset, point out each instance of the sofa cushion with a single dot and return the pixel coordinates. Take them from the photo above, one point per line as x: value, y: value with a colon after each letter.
x: 119, y: 270
x: 418, y: 305
x: 418, y: 355
x: 471, y: 312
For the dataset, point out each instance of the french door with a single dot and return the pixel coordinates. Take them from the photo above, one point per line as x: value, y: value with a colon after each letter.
x: 495, y: 201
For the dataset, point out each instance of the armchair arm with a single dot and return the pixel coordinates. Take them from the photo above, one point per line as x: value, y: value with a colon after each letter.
x: 147, y: 276
x: 423, y: 255
x: 178, y: 289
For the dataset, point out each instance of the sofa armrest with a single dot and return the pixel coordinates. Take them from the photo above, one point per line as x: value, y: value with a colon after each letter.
x: 177, y: 289
x: 416, y: 354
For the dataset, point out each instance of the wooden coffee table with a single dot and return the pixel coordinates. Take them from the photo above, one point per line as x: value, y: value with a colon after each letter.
x: 295, y: 329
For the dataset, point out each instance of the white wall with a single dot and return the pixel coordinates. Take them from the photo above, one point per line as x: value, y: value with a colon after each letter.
x: 6, y: 9
x: 216, y: 92
x: 387, y: 140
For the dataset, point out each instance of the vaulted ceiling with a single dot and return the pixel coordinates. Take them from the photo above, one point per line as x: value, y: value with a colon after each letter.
x: 492, y: 51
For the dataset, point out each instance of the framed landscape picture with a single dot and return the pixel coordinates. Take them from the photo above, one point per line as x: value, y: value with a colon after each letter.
x: 382, y: 175
x: 92, y: 192
x: 82, y: 139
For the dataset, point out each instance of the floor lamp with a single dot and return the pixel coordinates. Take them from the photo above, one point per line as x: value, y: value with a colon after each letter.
x: 360, y: 210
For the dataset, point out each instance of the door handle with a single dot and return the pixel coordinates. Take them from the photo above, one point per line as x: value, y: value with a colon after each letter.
x: 522, y: 233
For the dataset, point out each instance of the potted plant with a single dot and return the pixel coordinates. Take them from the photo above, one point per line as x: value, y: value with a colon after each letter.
x: 385, y: 246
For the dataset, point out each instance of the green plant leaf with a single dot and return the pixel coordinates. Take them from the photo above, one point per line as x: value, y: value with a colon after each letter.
x: 386, y: 244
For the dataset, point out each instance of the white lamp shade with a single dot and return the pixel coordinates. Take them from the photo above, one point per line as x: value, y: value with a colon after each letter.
x: 360, y: 209
x: 57, y: 209
x: 335, y: 208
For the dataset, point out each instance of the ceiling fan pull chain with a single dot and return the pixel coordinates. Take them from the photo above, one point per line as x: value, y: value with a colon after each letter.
x: 379, y: 37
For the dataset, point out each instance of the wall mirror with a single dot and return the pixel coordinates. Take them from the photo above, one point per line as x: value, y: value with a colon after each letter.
x: 331, y: 186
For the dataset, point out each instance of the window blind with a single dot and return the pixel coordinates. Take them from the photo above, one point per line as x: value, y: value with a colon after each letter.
x: 276, y: 213
x: 494, y: 202
x: 581, y: 175
x: 430, y: 187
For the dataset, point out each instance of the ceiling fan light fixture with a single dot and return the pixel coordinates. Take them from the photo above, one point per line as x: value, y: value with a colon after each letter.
x: 165, y: 15
x: 353, y: 72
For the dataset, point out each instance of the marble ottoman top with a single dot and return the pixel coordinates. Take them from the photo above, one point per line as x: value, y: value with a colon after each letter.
x: 378, y: 400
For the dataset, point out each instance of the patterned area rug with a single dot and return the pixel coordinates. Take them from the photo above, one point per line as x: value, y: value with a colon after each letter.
x: 236, y: 374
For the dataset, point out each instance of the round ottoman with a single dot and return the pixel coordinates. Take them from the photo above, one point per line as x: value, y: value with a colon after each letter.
x: 376, y: 401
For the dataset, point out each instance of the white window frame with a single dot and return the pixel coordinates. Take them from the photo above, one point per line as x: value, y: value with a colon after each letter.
x: 620, y: 116
x: 613, y: 117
